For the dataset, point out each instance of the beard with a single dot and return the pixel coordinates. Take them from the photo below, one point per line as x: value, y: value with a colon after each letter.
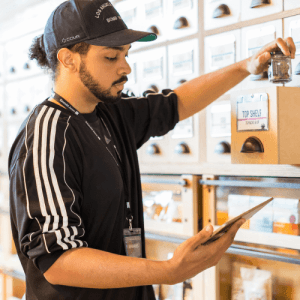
x: 93, y: 86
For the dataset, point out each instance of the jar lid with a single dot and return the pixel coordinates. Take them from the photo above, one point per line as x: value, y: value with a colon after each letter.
x: 277, y: 52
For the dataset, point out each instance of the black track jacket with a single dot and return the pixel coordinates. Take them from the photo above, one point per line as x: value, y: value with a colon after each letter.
x: 66, y: 190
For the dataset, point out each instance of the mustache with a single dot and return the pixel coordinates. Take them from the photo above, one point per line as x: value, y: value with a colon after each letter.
x: 122, y: 79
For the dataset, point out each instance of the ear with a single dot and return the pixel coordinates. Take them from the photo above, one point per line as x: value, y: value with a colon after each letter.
x: 69, y: 59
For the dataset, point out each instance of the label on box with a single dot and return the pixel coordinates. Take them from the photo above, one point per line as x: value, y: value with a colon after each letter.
x: 184, y: 129
x: 154, y: 9
x: 253, y: 113
x: 256, y: 43
x: 222, y: 56
x: 220, y: 120
x: 153, y: 69
x: 183, y: 63
x: 286, y: 203
x: 182, y: 4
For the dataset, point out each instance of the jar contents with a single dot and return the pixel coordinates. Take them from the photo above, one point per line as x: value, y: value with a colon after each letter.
x: 280, y: 68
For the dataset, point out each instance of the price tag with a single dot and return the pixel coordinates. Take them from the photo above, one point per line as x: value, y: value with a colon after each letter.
x: 253, y: 112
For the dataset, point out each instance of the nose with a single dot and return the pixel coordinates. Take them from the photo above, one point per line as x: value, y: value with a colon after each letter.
x: 125, y: 68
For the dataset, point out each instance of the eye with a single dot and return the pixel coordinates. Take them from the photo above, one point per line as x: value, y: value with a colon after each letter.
x: 111, y: 58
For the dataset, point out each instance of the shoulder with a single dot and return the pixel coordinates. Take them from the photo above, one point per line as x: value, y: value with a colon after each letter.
x: 45, y: 124
x: 128, y: 105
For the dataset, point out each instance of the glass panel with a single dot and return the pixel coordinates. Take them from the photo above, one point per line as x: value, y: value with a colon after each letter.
x: 163, y: 206
x: 275, y: 280
x: 281, y: 216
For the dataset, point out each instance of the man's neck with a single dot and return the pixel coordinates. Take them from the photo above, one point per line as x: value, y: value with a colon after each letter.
x: 80, y: 101
x: 56, y: 102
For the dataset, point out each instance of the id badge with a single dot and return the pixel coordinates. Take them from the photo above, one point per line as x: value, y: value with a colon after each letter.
x: 133, y: 242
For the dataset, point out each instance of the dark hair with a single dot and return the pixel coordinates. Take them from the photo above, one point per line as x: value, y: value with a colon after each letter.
x: 49, y: 60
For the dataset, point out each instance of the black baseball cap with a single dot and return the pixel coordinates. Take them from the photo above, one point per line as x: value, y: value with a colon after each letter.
x: 95, y: 22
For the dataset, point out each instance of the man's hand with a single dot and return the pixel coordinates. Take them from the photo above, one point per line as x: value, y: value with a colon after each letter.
x: 258, y: 63
x: 191, y: 257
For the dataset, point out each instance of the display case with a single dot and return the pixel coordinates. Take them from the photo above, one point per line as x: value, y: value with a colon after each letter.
x: 171, y: 205
x: 261, y: 131
x: 267, y: 247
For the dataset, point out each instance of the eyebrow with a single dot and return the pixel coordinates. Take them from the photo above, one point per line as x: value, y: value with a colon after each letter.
x: 119, y: 48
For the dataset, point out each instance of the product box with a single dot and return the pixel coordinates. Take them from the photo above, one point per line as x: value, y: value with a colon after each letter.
x: 238, y: 204
x: 286, y: 216
x: 222, y: 212
x: 263, y: 220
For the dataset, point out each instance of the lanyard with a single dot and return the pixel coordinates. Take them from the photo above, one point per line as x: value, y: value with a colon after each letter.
x: 68, y: 106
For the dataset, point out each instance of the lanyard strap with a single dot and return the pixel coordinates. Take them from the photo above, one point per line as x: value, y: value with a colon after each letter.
x: 68, y: 106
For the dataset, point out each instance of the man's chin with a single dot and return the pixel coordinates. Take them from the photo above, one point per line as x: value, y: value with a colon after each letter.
x: 112, y: 99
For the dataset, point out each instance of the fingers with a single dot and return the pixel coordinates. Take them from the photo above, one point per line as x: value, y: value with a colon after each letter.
x: 259, y: 61
x: 233, y: 230
x: 290, y: 43
x: 283, y: 46
x: 287, y: 47
x: 202, y: 236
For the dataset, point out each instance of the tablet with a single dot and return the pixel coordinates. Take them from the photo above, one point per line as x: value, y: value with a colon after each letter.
x: 227, y: 225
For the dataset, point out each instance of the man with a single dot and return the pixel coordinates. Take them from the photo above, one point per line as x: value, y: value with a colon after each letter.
x: 74, y: 175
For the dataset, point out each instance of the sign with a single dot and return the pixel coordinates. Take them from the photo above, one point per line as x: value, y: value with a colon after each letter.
x: 253, y: 112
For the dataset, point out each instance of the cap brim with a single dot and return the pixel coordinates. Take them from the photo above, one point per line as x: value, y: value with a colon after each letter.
x: 123, y: 37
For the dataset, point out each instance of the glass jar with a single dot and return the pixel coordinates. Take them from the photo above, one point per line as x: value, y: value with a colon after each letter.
x: 280, y: 68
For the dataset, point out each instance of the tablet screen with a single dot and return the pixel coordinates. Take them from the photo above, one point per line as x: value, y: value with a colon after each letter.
x: 227, y: 225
